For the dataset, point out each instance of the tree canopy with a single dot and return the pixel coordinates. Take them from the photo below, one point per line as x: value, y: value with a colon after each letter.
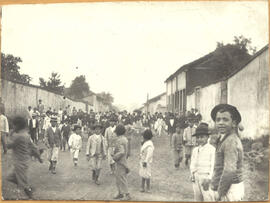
x: 107, y: 98
x: 79, y: 88
x: 53, y: 83
x: 11, y: 70
x: 229, y: 57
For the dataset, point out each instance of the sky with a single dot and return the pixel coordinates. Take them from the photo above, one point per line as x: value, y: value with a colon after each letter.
x: 126, y: 48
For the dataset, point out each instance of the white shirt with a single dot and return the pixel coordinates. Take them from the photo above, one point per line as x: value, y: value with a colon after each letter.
x: 47, y: 123
x: 147, y: 151
x: 171, y: 122
x: 54, y: 129
x: 4, y: 124
x: 75, y: 141
x: 34, y: 123
x: 203, y: 160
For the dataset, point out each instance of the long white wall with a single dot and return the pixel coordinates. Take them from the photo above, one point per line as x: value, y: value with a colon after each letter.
x: 17, y: 97
x: 248, y: 90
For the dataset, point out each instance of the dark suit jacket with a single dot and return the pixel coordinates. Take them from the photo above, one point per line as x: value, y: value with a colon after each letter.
x: 171, y: 128
x: 53, y: 138
x: 31, y: 129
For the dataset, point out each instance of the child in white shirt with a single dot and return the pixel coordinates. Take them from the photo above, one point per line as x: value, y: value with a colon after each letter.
x: 75, y: 144
x: 146, y: 158
x: 202, y: 165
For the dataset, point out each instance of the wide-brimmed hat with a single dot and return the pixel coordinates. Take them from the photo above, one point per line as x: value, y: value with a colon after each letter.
x: 75, y: 127
x: 226, y: 107
x: 202, y: 129
x: 53, y: 119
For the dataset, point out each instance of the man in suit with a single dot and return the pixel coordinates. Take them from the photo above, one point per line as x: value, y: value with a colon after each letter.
x: 65, y: 131
x: 33, y: 128
x: 96, y: 151
x: 171, y: 127
x: 52, y: 141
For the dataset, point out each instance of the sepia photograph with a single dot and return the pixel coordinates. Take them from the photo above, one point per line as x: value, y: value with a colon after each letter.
x: 162, y: 101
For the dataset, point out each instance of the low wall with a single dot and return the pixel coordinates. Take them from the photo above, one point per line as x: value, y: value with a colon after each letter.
x: 17, y: 97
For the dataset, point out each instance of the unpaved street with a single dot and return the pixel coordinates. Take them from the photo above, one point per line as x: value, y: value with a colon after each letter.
x: 72, y: 183
x: 75, y: 183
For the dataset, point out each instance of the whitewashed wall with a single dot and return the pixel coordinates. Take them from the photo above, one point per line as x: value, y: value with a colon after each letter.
x: 17, y: 97
x: 248, y: 90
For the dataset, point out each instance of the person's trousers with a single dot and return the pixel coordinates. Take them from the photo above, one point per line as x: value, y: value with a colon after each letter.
x: 199, y: 193
x: 74, y: 153
x: 178, y: 156
x: 33, y: 134
x: 4, y: 142
x: 235, y: 193
x: 63, y: 143
x: 19, y: 175
x: 170, y: 137
x: 52, y: 154
x: 95, y: 162
x: 121, y: 179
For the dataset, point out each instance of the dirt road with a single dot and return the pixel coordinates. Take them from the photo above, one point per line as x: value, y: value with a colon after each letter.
x: 72, y: 183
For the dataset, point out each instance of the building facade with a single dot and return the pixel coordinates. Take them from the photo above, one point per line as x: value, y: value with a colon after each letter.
x: 247, y: 88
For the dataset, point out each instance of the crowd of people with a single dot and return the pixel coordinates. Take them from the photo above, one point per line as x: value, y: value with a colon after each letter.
x: 215, y: 164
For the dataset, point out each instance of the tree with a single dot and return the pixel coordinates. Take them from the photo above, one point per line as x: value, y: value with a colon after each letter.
x: 53, y: 83
x: 10, y: 69
x: 244, y: 44
x: 107, y: 98
x: 79, y: 88
x: 230, y: 57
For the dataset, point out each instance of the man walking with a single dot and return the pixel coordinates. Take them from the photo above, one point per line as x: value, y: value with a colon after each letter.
x: 110, y: 138
x: 120, y: 157
x: 171, y: 127
x: 52, y: 141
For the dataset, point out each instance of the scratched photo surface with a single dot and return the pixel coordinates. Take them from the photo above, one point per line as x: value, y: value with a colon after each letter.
x: 135, y: 101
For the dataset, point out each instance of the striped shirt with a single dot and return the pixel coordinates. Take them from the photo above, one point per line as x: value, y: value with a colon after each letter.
x: 203, y: 160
